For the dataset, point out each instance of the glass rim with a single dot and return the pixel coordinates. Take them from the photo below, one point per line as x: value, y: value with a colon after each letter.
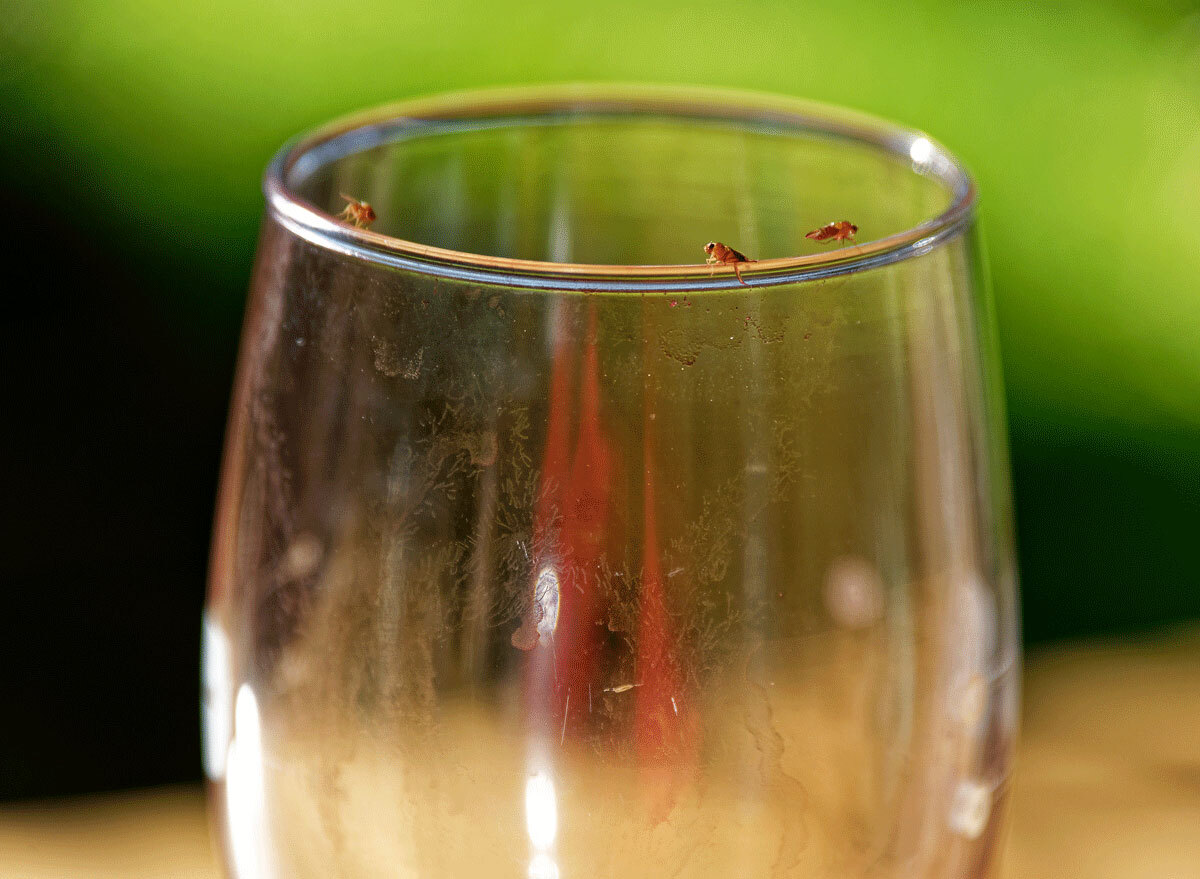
x: 422, y: 116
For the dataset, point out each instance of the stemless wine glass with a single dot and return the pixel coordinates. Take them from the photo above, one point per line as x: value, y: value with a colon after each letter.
x: 544, y: 549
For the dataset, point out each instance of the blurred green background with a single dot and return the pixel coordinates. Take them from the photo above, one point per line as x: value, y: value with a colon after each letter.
x: 131, y: 147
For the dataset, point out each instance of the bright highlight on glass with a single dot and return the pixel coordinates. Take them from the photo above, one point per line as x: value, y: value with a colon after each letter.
x: 541, y: 811
x: 245, y: 800
x: 216, y: 710
x: 920, y: 150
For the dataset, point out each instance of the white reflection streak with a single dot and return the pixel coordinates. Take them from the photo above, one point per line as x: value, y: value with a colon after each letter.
x: 216, y: 707
x: 543, y: 867
x: 559, y: 244
x: 541, y: 811
x: 970, y: 808
x: 245, y: 800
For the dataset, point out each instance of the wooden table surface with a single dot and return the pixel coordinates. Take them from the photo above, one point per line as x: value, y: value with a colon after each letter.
x: 1107, y: 785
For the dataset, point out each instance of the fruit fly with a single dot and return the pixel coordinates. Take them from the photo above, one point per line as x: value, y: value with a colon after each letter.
x: 360, y: 213
x: 838, y: 231
x: 527, y: 637
x: 723, y: 254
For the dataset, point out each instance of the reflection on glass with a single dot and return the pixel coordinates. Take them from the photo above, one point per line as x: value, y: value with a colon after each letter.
x: 920, y: 150
x: 541, y: 819
x: 618, y: 568
x: 216, y: 699
x: 853, y: 593
x: 245, y: 800
x: 542, y: 867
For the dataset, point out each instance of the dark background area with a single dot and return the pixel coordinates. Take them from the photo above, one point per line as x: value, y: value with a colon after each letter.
x: 131, y: 143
